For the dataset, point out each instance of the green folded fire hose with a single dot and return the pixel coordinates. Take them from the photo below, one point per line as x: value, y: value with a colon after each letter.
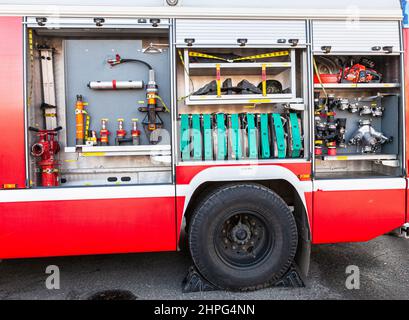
x: 279, y: 136
x: 196, y: 137
x: 185, y: 137
x: 221, y: 137
x: 295, y: 136
x: 235, y: 136
x: 264, y: 136
x: 252, y: 136
x: 207, y: 137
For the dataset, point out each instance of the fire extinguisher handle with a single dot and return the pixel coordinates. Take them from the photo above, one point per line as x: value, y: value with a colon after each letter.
x: 33, y: 129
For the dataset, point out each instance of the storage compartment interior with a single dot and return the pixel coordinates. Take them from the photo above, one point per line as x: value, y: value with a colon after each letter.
x: 117, y: 103
x: 242, y: 103
x: 235, y: 99
x: 358, y: 114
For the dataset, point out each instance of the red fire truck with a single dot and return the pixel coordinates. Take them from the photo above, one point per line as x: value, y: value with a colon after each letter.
x: 257, y: 128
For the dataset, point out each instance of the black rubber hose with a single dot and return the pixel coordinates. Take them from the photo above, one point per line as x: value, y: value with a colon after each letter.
x: 136, y: 60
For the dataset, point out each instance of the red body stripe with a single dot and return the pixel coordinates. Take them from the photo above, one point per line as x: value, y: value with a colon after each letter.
x: 185, y: 174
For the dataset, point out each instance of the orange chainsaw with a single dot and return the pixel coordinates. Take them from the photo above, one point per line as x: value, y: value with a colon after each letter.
x: 359, y: 73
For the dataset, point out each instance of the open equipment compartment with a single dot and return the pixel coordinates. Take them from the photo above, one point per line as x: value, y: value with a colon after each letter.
x: 112, y: 110
x: 358, y: 106
x: 242, y: 90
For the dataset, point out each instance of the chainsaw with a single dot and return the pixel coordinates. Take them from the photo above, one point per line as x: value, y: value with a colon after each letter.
x: 359, y: 73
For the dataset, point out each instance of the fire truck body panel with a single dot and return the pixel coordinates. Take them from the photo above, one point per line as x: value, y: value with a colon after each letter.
x: 92, y: 226
x: 13, y: 167
x: 369, y: 208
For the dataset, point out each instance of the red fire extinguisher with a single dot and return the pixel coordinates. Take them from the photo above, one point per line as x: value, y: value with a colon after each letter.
x: 46, y: 149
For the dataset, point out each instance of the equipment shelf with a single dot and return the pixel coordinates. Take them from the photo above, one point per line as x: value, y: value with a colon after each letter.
x: 242, y: 99
x: 238, y: 68
x: 141, y: 150
x: 356, y: 85
x: 374, y: 156
x: 284, y: 71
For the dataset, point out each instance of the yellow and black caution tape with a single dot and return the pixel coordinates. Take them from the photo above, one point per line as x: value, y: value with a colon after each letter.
x: 264, y: 55
x: 205, y: 55
x: 187, y: 73
x: 253, y: 57
x: 31, y: 54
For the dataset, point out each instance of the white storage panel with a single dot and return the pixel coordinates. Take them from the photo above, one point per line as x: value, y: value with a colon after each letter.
x: 222, y: 33
x: 356, y: 36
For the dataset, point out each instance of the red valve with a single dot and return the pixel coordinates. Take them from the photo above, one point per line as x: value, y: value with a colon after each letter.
x: 46, y: 149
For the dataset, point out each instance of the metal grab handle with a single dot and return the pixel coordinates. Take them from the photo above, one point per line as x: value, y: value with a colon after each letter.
x: 189, y: 41
x: 293, y: 42
x: 33, y: 129
x: 59, y: 128
x: 388, y: 49
x: 99, y: 21
x: 242, y: 41
x: 326, y: 49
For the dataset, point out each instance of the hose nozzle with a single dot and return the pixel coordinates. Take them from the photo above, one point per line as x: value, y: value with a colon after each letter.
x: 114, y: 62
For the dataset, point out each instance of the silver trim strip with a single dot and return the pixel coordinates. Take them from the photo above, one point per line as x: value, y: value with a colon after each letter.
x: 185, y: 12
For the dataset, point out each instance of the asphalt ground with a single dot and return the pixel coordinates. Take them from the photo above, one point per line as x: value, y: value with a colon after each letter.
x: 383, y: 274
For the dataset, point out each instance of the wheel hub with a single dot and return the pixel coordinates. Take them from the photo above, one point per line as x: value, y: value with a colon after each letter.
x: 243, y: 239
x: 241, y: 233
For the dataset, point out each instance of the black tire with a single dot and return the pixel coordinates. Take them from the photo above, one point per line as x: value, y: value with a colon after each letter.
x: 243, y: 237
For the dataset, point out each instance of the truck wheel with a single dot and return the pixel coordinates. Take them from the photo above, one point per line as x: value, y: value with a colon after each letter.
x: 243, y: 237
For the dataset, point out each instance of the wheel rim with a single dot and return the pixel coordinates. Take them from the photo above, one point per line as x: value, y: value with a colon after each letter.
x: 243, y: 239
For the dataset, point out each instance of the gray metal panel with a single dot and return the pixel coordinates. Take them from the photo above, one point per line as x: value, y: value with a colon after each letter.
x: 226, y: 32
x: 355, y: 36
x: 86, y: 61
x: 391, y: 126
